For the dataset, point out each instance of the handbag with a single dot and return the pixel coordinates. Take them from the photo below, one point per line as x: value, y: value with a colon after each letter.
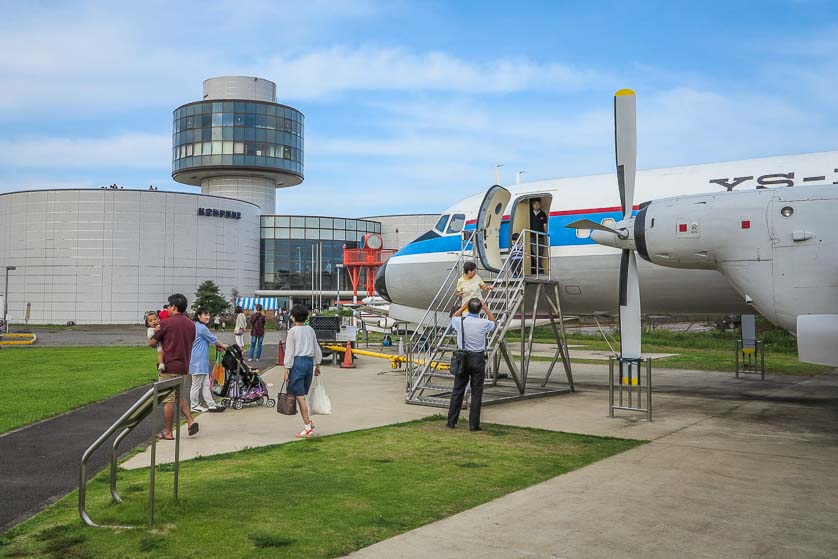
x: 286, y: 403
x: 458, y: 359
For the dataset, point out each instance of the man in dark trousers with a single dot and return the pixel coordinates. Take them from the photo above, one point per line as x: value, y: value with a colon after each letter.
x: 538, y: 240
x: 177, y: 334
x: 471, y: 331
x: 257, y: 334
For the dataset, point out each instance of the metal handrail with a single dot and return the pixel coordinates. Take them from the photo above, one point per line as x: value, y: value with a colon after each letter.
x: 503, y: 301
x: 128, y: 421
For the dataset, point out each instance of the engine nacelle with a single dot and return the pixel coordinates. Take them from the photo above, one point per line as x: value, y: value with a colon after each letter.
x: 777, y: 247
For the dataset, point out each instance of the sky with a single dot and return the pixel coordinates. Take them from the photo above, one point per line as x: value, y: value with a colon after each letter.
x: 410, y: 105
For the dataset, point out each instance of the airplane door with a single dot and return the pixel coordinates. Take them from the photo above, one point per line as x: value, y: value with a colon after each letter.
x: 488, y: 227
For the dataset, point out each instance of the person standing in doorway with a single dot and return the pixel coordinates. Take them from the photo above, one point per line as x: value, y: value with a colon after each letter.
x: 302, y: 360
x: 177, y: 335
x: 257, y: 334
x: 241, y: 324
x: 538, y: 240
x: 471, y: 332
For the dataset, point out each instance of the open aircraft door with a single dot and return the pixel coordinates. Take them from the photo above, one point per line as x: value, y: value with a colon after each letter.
x: 488, y: 227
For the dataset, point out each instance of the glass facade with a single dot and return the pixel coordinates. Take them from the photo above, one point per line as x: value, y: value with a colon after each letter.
x: 289, y: 243
x: 253, y: 134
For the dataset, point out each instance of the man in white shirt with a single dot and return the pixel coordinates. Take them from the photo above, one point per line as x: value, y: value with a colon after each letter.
x: 471, y: 332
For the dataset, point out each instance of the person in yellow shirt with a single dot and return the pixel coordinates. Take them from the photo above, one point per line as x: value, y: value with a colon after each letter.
x: 470, y: 285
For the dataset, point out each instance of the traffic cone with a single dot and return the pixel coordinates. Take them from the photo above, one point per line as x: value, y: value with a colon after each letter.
x: 280, y: 357
x: 347, y: 358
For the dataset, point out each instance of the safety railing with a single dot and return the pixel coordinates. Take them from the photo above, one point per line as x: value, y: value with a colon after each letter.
x: 142, y: 408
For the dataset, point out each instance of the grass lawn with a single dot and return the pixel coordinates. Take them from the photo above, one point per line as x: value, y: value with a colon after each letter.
x: 706, y: 351
x: 44, y: 382
x: 323, y: 497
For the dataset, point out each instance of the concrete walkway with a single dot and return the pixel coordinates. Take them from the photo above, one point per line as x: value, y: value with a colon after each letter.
x: 748, y: 474
x: 362, y: 398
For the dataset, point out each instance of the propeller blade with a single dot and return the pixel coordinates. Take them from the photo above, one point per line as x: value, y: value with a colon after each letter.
x: 588, y: 224
x: 629, y: 306
x: 625, y: 140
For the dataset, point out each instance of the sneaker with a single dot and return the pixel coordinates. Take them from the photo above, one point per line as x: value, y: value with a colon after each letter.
x: 305, y: 433
x: 212, y: 407
x: 199, y: 409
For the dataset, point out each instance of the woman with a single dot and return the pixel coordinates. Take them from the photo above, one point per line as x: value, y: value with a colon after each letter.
x: 470, y: 285
x: 199, y: 364
x: 302, y: 357
x: 241, y: 324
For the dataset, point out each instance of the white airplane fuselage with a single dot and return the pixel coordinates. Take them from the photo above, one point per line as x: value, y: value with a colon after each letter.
x: 588, y: 272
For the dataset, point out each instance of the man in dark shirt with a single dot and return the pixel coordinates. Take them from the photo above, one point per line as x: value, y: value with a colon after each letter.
x: 538, y: 240
x: 177, y: 334
x: 257, y: 334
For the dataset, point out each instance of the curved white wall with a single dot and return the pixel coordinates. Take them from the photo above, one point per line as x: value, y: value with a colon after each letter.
x: 257, y: 190
x: 106, y: 256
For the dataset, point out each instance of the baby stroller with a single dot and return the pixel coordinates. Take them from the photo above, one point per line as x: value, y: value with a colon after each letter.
x: 242, y: 385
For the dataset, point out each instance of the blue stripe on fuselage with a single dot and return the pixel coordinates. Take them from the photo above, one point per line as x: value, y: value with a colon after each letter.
x: 559, y: 234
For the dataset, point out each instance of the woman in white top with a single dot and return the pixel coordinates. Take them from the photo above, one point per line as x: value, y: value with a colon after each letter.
x: 241, y: 324
x: 302, y: 358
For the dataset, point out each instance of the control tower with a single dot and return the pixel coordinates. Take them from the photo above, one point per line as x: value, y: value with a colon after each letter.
x: 238, y: 142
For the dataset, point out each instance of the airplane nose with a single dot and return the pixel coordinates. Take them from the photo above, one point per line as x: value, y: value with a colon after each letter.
x: 381, y: 282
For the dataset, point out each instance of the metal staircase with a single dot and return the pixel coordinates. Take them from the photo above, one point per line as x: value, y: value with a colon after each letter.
x: 431, y: 345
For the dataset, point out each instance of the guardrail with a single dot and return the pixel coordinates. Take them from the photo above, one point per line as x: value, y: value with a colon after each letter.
x: 142, y: 408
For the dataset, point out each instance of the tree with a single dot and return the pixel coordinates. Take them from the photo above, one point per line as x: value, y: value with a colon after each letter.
x: 207, y: 295
x: 234, y: 297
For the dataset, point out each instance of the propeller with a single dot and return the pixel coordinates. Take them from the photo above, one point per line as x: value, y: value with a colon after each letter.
x: 621, y: 235
x: 625, y: 139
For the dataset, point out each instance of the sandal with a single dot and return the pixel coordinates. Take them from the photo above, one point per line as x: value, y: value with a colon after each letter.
x: 193, y: 429
x: 162, y: 437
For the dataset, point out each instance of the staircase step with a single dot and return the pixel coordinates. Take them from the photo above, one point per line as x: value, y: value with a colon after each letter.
x: 429, y: 401
x: 442, y: 387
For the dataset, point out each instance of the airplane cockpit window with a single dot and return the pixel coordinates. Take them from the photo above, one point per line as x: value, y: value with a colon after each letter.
x: 440, y: 225
x: 456, y: 224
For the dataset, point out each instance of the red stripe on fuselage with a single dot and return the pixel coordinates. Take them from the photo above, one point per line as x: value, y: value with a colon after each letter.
x: 571, y: 212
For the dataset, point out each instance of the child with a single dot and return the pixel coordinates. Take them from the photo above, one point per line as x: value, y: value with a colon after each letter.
x: 516, y: 254
x: 302, y: 355
x: 152, y: 323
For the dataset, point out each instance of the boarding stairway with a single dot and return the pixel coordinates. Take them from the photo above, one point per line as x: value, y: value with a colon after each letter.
x: 433, y: 342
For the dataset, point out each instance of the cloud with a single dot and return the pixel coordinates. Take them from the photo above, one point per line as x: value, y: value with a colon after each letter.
x: 370, y: 68
x: 124, y: 150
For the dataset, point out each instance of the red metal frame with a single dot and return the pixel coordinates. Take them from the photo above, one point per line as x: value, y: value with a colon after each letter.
x: 364, y: 261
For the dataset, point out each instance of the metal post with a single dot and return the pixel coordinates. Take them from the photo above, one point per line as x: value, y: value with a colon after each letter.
x: 178, y: 388
x: 6, y: 297
x: 611, y: 386
x: 649, y: 390
x: 151, y: 470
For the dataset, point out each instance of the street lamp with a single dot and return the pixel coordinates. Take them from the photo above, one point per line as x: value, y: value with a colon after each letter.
x: 6, y: 296
x: 339, y: 268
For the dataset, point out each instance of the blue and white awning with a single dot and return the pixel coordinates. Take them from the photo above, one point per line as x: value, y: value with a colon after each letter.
x: 249, y: 303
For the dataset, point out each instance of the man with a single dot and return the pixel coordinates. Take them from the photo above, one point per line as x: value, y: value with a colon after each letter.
x: 177, y: 334
x: 257, y: 334
x: 471, y: 331
x: 538, y: 224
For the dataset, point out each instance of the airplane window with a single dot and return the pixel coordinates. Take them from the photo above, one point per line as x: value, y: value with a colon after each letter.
x: 440, y: 225
x: 583, y: 233
x: 456, y: 224
x: 609, y: 222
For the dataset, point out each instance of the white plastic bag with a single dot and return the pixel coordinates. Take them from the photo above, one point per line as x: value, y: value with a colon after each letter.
x: 318, y: 400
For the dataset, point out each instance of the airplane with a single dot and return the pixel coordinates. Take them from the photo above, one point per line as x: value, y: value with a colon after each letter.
x: 723, y: 238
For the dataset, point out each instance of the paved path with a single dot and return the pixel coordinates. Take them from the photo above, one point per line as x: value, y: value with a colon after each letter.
x: 735, y: 469
x: 40, y: 463
x: 88, y: 336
